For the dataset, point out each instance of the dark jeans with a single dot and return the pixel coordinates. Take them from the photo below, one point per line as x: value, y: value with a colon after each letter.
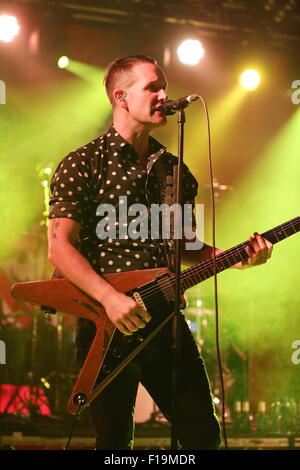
x: 112, y: 412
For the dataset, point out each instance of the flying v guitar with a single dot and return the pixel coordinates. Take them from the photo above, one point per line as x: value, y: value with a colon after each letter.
x: 152, y: 289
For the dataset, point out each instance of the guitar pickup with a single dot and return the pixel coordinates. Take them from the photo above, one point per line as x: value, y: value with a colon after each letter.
x: 138, y: 298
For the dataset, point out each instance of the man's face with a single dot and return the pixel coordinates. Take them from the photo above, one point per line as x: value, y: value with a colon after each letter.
x: 147, y: 90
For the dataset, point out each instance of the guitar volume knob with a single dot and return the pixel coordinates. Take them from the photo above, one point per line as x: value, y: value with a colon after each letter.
x: 139, y: 338
x: 117, y: 353
x: 127, y: 338
x: 106, y: 369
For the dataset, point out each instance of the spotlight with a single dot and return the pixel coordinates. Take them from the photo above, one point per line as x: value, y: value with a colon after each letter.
x: 9, y: 28
x: 190, y: 52
x: 63, y: 62
x: 250, y: 79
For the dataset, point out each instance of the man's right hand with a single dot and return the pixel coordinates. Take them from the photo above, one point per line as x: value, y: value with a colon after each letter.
x: 125, y: 313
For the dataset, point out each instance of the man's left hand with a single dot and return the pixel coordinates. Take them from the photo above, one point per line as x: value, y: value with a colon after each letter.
x: 259, y: 251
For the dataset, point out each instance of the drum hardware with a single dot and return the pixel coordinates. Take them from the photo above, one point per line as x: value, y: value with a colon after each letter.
x: 40, y: 359
x: 198, y: 319
x: 277, y: 417
x: 283, y: 415
x: 39, y: 356
x: 24, y: 402
x: 156, y: 415
x: 60, y: 380
x: 146, y: 411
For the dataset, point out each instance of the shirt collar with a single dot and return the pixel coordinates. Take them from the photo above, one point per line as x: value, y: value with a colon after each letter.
x: 118, y: 144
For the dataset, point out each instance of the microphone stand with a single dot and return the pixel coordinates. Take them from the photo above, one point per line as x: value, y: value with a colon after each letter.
x: 176, y: 330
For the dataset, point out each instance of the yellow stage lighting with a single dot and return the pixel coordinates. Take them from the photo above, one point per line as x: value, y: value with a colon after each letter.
x: 250, y: 79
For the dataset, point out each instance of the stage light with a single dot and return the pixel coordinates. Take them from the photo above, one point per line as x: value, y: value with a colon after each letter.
x: 9, y: 28
x: 250, y: 79
x: 190, y: 52
x: 63, y: 62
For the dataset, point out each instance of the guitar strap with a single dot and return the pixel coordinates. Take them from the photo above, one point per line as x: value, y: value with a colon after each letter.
x: 166, y: 190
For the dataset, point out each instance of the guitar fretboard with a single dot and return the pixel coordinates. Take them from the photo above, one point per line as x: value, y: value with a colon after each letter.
x: 202, y: 271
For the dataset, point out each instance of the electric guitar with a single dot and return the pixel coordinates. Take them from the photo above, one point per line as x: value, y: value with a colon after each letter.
x: 152, y: 289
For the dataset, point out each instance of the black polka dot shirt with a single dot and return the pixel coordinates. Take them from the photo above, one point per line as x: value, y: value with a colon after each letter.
x: 103, y: 172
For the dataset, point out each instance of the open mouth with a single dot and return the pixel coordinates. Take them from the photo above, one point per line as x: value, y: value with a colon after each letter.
x: 158, y: 109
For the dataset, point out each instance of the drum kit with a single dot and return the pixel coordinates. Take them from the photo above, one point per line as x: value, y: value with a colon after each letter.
x: 40, y: 352
x: 40, y: 363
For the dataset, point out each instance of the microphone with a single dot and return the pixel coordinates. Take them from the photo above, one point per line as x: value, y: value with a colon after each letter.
x: 169, y: 107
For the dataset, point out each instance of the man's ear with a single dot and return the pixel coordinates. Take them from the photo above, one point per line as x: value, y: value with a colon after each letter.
x: 120, y: 97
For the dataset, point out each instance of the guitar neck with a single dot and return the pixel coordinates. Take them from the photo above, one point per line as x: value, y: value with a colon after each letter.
x: 202, y: 271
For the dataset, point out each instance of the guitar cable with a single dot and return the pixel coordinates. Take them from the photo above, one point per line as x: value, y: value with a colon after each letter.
x: 81, y: 402
x: 47, y: 311
x: 223, y: 398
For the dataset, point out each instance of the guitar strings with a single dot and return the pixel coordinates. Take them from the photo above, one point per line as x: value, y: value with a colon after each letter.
x: 207, y: 265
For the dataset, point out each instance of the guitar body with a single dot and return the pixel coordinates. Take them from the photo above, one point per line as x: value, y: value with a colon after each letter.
x: 61, y: 295
x: 110, y: 351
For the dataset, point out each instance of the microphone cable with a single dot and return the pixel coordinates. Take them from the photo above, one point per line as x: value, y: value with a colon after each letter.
x: 223, y: 398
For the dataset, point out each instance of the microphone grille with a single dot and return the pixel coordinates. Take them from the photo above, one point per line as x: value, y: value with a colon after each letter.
x: 193, y: 97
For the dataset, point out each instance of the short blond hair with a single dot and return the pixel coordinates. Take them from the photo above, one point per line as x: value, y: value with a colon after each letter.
x: 118, y: 67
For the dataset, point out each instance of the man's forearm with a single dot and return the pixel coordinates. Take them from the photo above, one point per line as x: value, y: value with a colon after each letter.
x: 74, y: 267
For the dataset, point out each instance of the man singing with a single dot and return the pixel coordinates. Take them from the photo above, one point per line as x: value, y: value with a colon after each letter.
x: 127, y: 163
